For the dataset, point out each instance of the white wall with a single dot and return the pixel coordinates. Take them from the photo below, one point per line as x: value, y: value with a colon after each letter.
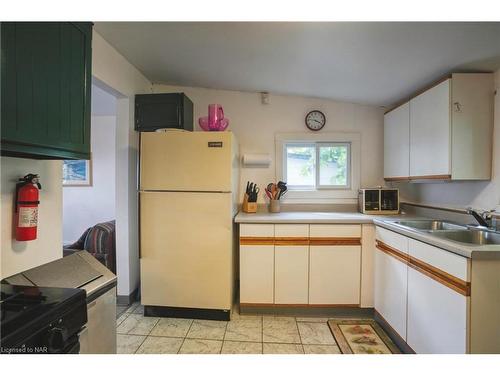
x: 256, y: 124
x: 19, y: 256
x: 477, y: 194
x: 85, y: 206
x: 112, y: 72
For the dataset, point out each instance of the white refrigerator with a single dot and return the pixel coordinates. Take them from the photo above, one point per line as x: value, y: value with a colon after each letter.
x: 188, y: 198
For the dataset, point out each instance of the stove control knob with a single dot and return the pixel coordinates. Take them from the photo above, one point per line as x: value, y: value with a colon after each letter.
x: 55, y: 339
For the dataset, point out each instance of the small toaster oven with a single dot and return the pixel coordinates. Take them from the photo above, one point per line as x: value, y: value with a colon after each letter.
x: 381, y: 201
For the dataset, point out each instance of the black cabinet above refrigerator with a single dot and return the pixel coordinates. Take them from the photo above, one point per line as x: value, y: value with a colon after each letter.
x: 157, y: 111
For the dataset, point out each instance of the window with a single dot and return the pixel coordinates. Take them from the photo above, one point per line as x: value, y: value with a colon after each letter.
x: 317, y: 165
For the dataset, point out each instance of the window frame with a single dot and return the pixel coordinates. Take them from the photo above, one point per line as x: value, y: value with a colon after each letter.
x: 308, y: 194
x: 285, y: 159
x: 317, y: 167
x: 348, y: 184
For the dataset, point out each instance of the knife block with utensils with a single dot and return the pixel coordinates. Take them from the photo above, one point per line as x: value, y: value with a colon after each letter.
x: 249, y: 207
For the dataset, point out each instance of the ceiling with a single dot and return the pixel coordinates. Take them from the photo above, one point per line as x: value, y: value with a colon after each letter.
x: 370, y: 63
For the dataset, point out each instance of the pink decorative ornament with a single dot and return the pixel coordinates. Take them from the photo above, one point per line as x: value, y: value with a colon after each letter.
x: 215, y: 120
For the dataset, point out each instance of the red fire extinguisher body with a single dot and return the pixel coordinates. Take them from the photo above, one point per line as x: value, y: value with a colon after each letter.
x: 27, y: 212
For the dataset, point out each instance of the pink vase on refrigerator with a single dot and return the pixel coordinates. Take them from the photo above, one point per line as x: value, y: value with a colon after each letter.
x: 215, y: 121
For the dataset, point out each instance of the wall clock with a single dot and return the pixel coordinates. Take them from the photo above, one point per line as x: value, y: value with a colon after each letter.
x: 315, y: 120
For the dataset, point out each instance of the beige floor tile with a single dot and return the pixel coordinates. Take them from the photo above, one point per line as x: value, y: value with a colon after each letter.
x: 239, y: 347
x: 315, y: 333
x: 160, y: 345
x: 280, y: 330
x: 244, y: 330
x: 282, y: 348
x: 321, y: 349
x: 312, y: 319
x: 173, y: 327
x: 128, y: 344
x: 278, y: 318
x: 139, y: 310
x: 207, y: 329
x: 120, y: 319
x: 199, y: 346
x: 132, y: 307
x: 236, y: 316
x: 136, y: 324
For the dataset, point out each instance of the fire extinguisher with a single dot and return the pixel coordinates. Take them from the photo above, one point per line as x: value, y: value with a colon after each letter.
x: 27, y: 201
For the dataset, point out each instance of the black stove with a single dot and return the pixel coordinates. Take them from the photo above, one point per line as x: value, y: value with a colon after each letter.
x: 41, y: 320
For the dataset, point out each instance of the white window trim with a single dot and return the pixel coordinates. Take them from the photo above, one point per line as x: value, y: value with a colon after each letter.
x: 322, y: 195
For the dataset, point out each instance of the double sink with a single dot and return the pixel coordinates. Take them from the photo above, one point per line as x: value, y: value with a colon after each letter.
x: 453, y: 232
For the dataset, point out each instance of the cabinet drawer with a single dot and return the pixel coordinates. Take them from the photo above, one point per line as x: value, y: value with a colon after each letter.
x: 453, y: 264
x: 257, y: 230
x: 335, y: 230
x: 291, y: 230
x: 394, y: 240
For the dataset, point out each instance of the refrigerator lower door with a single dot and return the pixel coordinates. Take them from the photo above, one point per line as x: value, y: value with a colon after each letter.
x: 186, y: 249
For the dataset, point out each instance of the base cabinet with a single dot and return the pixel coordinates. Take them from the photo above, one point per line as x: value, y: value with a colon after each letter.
x: 257, y: 274
x: 391, y: 291
x: 291, y: 274
x: 437, y: 317
x: 334, y: 275
x: 317, y: 265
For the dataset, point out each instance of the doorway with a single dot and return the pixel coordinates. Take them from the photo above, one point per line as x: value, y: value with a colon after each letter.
x: 89, y: 187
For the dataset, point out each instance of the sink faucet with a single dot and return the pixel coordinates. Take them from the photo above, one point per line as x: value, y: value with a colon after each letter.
x: 483, y: 218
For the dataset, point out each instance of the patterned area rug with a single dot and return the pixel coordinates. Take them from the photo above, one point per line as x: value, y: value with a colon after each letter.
x: 361, y: 337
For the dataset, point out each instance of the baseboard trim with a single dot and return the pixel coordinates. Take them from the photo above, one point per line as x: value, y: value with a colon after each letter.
x: 335, y: 311
x: 127, y: 300
x: 187, y: 313
x: 395, y: 337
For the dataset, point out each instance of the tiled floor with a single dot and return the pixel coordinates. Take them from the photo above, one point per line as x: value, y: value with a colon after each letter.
x: 242, y: 335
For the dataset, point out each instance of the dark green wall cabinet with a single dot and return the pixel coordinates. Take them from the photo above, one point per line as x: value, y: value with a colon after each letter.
x: 46, y: 84
x: 157, y: 111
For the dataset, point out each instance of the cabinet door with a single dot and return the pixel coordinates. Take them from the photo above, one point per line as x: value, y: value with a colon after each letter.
x: 430, y: 132
x: 257, y: 274
x: 437, y: 316
x: 390, y: 295
x: 46, y: 82
x: 291, y: 274
x: 397, y: 142
x: 334, y: 275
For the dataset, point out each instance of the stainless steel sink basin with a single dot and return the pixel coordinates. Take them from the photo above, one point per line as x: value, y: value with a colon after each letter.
x: 474, y: 237
x: 427, y: 225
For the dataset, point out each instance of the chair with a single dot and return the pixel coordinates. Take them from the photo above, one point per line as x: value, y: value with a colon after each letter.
x: 99, y: 241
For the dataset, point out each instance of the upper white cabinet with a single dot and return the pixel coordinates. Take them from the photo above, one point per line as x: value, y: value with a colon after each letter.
x: 449, y: 132
x: 431, y: 132
x: 397, y: 142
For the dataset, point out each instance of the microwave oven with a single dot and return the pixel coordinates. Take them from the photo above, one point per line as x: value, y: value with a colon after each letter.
x: 381, y: 201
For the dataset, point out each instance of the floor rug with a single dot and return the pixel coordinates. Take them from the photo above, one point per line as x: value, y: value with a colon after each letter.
x: 361, y: 337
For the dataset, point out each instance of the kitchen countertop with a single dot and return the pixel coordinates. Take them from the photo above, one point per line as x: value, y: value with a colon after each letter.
x: 311, y: 217
x: 466, y: 250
